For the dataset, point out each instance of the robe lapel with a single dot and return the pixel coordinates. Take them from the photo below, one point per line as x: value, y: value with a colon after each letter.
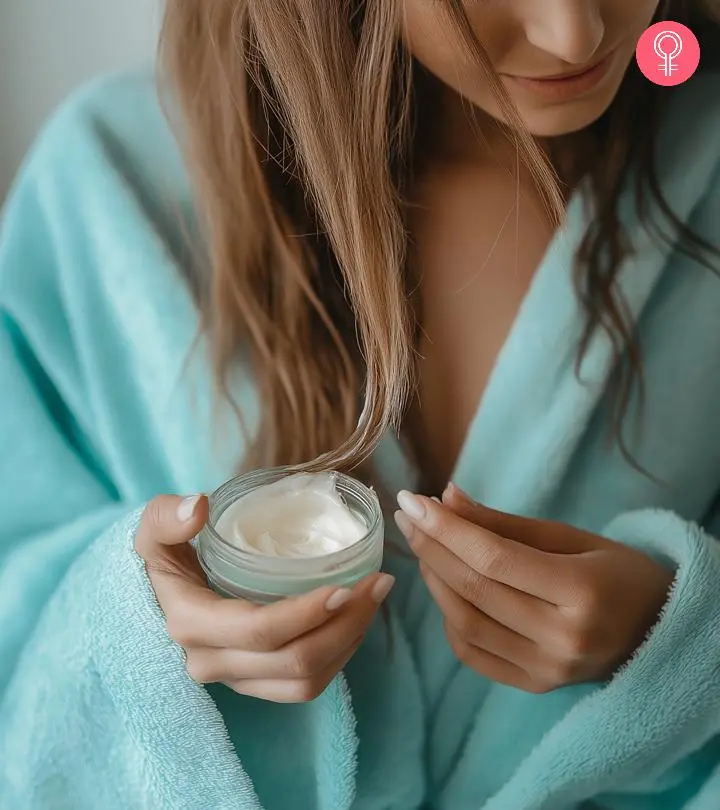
x: 535, y: 410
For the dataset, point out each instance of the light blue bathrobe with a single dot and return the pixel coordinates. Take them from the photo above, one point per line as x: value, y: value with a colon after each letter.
x: 97, y: 415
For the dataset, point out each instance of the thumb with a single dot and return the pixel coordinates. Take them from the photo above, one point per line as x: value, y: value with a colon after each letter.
x: 512, y: 527
x: 169, y: 520
x: 544, y: 535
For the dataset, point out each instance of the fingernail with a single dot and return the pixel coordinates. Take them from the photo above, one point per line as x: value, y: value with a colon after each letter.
x: 186, y: 508
x: 338, y: 599
x: 453, y: 491
x: 411, y: 505
x: 382, y: 588
x: 436, y: 499
x: 404, y: 524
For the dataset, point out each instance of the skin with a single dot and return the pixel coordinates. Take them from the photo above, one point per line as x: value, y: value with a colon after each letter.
x: 532, y: 604
x: 479, y: 228
x: 287, y: 652
x: 528, y: 603
x: 527, y: 38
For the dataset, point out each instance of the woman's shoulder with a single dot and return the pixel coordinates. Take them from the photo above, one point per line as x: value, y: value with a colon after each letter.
x: 687, y: 154
x: 692, y: 118
x: 111, y: 129
x: 125, y: 101
x: 704, y: 88
x: 99, y: 214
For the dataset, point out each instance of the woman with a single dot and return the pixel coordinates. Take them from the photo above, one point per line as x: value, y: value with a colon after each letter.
x: 476, y: 222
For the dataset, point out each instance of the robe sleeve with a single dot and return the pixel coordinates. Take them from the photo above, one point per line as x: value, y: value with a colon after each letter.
x: 59, y: 494
x: 56, y: 494
x: 649, y: 738
x: 96, y: 709
x: 668, y: 694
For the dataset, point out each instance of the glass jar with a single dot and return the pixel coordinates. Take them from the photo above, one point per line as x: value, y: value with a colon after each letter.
x: 234, y: 572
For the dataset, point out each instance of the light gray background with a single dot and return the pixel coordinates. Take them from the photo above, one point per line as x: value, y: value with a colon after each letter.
x: 48, y: 47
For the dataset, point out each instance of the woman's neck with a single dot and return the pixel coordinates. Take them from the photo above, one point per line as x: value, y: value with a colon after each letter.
x: 466, y: 135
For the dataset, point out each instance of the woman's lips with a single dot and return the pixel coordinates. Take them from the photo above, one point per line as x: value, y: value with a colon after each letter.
x: 567, y: 87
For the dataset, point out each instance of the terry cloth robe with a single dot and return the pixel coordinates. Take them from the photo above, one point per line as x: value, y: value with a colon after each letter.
x: 107, y: 402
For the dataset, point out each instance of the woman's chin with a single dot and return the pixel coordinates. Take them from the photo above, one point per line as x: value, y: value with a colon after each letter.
x: 556, y: 120
x: 549, y: 117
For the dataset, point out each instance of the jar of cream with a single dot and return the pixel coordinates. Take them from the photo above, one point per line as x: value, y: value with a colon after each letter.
x: 274, y: 533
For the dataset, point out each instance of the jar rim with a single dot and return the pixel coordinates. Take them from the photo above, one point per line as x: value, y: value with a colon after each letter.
x: 296, y: 564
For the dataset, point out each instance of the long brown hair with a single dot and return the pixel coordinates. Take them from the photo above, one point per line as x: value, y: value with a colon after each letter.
x: 297, y: 119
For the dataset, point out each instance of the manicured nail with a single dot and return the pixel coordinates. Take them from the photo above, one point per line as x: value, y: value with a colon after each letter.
x: 404, y: 524
x: 338, y: 599
x: 382, y: 588
x: 411, y: 505
x: 436, y: 499
x: 453, y: 491
x: 186, y: 508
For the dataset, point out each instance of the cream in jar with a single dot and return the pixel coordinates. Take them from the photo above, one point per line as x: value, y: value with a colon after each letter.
x: 302, y: 515
x: 274, y: 533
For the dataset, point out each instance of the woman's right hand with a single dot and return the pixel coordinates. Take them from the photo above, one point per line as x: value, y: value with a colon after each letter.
x: 287, y: 652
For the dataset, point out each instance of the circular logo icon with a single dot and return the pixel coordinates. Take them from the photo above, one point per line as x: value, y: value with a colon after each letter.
x: 668, y: 53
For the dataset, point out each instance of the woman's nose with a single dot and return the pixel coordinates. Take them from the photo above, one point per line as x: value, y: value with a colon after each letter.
x: 570, y: 30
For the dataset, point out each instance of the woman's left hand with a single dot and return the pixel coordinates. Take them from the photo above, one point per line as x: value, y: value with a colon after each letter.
x: 529, y: 603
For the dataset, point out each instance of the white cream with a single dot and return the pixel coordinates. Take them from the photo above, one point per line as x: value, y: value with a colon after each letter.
x: 302, y: 515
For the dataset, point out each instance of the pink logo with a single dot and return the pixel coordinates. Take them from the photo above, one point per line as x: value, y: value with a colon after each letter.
x: 668, y: 53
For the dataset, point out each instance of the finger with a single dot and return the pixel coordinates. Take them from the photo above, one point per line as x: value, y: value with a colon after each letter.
x: 304, y: 657
x: 501, y: 559
x: 204, y: 619
x: 492, y: 666
x: 478, y: 629
x: 293, y: 690
x: 541, y: 534
x: 483, y: 589
x: 502, y: 523
x: 296, y: 661
x: 516, y: 610
x: 169, y: 520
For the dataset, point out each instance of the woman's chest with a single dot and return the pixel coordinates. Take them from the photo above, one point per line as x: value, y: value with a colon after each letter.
x: 477, y: 242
